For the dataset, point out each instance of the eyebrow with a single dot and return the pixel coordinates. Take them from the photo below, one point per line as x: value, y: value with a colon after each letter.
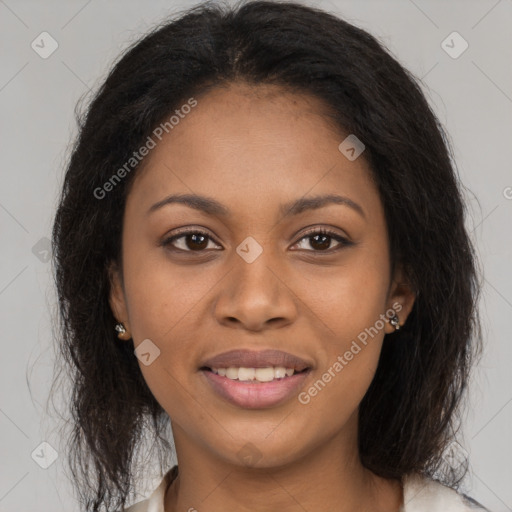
x: 213, y: 207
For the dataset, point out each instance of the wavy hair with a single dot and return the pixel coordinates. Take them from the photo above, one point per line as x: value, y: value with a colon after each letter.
x: 412, y: 409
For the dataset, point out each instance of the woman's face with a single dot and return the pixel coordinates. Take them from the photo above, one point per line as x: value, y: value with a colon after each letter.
x: 256, y: 282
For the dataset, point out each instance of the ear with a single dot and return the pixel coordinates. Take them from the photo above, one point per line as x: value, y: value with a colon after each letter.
x: 401, y: 298
x: 117, y: 299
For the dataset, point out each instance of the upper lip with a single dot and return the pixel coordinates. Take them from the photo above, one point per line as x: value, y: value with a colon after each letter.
x: 254, y: 359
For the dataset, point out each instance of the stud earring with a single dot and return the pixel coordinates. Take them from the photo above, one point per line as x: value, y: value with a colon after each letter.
x: 395, y: 322
x: 122, y: 334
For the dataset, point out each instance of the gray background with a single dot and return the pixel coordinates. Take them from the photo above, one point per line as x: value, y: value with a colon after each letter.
x: 471, y: 94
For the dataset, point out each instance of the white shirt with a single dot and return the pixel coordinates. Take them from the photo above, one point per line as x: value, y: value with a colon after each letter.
x: 421, y: 494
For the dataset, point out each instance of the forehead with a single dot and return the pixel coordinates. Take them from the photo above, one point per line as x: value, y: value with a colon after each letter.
x: 245, y: 143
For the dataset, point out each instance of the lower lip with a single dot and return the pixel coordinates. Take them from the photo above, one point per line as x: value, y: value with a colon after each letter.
x: 254, y: 394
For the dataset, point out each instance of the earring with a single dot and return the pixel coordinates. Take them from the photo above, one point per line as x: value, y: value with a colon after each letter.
x: 394, y: 322
x: 122, y: 333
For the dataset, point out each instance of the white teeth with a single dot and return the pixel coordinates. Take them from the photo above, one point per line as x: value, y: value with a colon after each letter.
x: 267, y: 374
x: 231, y: 373
x: 246, y: 373
x: 260, y: 374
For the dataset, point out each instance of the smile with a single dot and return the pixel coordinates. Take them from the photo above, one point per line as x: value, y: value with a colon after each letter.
x: 255, y: 388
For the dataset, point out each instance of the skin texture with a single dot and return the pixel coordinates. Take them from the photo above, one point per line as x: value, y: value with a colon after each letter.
x: 253, y: 148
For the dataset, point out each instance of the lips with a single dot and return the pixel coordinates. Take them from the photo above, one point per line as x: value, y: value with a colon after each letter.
x: 289, y: 375
x: 254, y: 359
x: 250, y: 395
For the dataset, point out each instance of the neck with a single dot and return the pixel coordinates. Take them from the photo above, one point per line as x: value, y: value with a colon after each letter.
x: 329, y: 477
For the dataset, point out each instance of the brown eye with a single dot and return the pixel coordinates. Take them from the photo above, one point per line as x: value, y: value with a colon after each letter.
x: 193, y: 241
x: 320, y: 240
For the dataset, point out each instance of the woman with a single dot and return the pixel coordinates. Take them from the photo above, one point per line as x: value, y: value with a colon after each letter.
x: 260, y: 244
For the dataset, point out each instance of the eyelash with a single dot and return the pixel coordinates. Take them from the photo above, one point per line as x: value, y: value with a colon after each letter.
x: 318, y: 231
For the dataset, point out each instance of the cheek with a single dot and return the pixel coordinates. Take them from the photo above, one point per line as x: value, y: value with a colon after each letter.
x: 346, y: 299
x: 349, y: 308
x: 350, y: 357
x: 162, y: 296
x: 161, y: 303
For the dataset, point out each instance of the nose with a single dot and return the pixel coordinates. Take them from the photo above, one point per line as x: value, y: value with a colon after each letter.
x: 256, y: 296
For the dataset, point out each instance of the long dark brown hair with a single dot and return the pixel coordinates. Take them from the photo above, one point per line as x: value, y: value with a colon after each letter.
x: 412, y: 409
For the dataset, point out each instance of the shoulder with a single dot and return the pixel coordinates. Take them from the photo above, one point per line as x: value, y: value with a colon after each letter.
x: 155, y: 502
x: 423, y: 494
x: 141, y: 506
